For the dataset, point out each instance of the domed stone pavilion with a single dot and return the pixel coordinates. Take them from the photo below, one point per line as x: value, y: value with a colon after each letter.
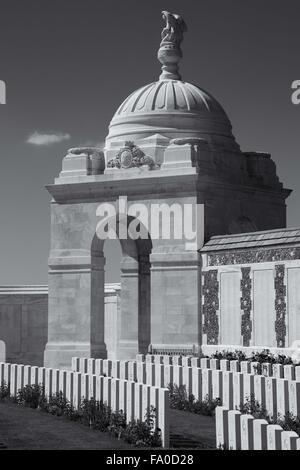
x: 169, y: 142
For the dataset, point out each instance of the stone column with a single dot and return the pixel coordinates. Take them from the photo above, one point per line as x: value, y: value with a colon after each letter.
x: 75, y: 321
x: 175, y: 300
x: 97, y: 308
x: 144, y: 319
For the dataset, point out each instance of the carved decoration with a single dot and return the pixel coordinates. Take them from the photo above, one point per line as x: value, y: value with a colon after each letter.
x: 254, y: 256
x: 170, y: 53
x: 280, y: 305
x: 211, y: 306
x: 246, y: 305
x: 131, y: 156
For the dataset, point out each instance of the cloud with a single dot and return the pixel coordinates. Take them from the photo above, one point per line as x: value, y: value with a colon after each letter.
x: 38, y: 138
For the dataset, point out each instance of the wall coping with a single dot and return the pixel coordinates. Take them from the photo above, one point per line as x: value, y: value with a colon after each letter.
x: 43, y: 289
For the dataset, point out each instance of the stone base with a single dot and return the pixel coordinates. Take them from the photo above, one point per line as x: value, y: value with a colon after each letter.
x: 59, y: 355
x: 127, y: 350
x: 177, y: 349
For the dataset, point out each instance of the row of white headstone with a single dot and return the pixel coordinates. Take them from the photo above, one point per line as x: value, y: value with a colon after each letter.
x: 289, y: 371
x: 276, y: 395
x: 236, y: 431
x: 127, y: 395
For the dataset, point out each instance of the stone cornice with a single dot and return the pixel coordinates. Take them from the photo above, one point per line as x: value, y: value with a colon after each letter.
x: 154, y: 183
x: 150, y: 184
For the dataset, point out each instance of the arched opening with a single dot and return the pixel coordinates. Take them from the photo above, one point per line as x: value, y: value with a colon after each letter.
x: 112, y: 252
x: 133, y: 316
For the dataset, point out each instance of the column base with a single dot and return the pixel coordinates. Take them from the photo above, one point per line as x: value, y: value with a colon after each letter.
x: 59, y: 355
x: 127, y: 350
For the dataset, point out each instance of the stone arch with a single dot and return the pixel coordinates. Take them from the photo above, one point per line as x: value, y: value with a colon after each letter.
x: 134, y: 319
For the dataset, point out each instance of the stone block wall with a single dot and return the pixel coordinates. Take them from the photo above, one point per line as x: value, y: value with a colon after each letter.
x: 24, y: 322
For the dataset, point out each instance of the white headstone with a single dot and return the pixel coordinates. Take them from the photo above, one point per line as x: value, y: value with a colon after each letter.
x: 277, y: 371
x: 224, y: 364
x: 274, y: 432
x: 238, y: 390
x: 217, y: 384
x: 197, y: 383
x: 259, y: 390
x: 260, y: 437
x: 248, y: 387
x: 206, y: 383
x: 294, y: 398
x: 227, y: 399
x: 195, y: 362
x: 282, y: 391
x: 289, y: 372
x: 234, y: 366
x: 222, y: 428
x: 91, y: 366
x: 187, y: 379
x: 271, y: 396
x: 234, y: 430
x: 245, y: 367
x: 289, y: 440
x: 247, y: 442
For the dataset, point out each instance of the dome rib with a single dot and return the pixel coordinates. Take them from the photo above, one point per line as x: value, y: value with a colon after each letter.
x: 155, y: 98
x: 169, y: 95
x: 145, y: 91
x: 185, y: 96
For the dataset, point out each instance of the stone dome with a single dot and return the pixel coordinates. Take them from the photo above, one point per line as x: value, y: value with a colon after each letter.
x: 172, y: 108
x: 169, y: 96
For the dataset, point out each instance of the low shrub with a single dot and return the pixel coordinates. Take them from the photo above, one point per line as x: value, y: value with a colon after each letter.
x: 289, y: 422
x: 95, y: 414
x: 56, y: 404
x: 264, y: 356
x: 30, y: 396
x: 253, y: 407
x: 230, y: 355
x: 144, y: 433
x: 4, y: 391
x: 181, y: 401
x: 207, y: 406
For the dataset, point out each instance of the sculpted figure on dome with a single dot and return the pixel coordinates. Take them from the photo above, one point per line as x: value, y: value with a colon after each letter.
x: 169, y: 53
x: 174, y: 29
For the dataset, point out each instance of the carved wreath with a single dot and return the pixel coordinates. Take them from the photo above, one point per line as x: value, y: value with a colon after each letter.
x: 130, y: 156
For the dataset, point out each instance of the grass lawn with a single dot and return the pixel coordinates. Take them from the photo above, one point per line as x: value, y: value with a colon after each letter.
x: 24, y: 428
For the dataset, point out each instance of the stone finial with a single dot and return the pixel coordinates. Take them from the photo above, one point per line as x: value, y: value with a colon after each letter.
x: 170, y: 53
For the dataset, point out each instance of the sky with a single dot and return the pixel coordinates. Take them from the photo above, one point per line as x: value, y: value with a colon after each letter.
x: 68, y: 64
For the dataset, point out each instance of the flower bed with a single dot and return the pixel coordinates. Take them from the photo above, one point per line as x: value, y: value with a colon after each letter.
x: 262, y: 357
x: 180, y: 400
